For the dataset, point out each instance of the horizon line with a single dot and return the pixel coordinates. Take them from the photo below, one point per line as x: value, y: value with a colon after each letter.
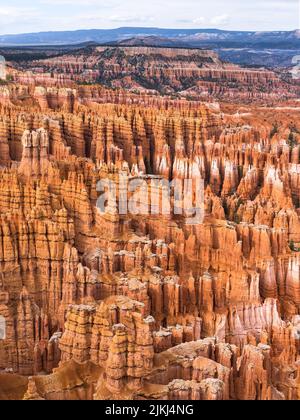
x: 148, y: 27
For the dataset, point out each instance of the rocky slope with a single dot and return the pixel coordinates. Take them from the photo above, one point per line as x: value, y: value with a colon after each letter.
x: 109, y: 306
x: 191, y: 73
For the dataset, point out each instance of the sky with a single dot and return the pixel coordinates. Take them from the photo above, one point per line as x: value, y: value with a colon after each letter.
x: 22, y: 16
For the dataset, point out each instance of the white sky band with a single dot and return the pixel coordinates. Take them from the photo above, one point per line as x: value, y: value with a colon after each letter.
x: 49, y: 15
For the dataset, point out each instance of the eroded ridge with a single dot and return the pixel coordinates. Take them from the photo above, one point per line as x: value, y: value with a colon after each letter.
x: 108, y: 306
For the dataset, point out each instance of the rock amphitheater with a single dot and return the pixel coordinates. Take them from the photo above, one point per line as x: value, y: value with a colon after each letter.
x: 111, y: 307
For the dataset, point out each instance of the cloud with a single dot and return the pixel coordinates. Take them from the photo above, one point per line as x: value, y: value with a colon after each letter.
x: 220, y: 20
x: 130, y: 18
x: 77, y: 3
x: 10, y: 16
x: 199, y: 20
x: 207, y: 21
x: 10, y: 11
x: 38, y: 15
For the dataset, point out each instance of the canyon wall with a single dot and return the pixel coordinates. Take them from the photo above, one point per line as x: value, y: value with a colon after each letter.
x: 111, y: 306
x: 190, y: 73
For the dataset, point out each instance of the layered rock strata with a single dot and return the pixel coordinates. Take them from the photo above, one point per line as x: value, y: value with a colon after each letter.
x: 111, y: 306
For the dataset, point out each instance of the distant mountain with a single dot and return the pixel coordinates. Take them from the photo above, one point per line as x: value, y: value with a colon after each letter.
x: 211, y: 38
x: 151, y: 41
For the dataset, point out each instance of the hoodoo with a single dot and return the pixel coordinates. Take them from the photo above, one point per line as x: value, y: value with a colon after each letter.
x: 109, y: 288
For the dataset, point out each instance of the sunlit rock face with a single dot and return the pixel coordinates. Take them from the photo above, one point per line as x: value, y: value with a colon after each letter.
x: 189, y: 73
x: 112, y: 305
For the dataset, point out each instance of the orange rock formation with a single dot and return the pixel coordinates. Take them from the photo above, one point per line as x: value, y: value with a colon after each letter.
x: 108, y: 306
x: 184, y: 72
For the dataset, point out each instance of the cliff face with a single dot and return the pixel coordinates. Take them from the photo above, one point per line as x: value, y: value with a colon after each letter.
x: 186, y: 72
x: 112, y: 306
